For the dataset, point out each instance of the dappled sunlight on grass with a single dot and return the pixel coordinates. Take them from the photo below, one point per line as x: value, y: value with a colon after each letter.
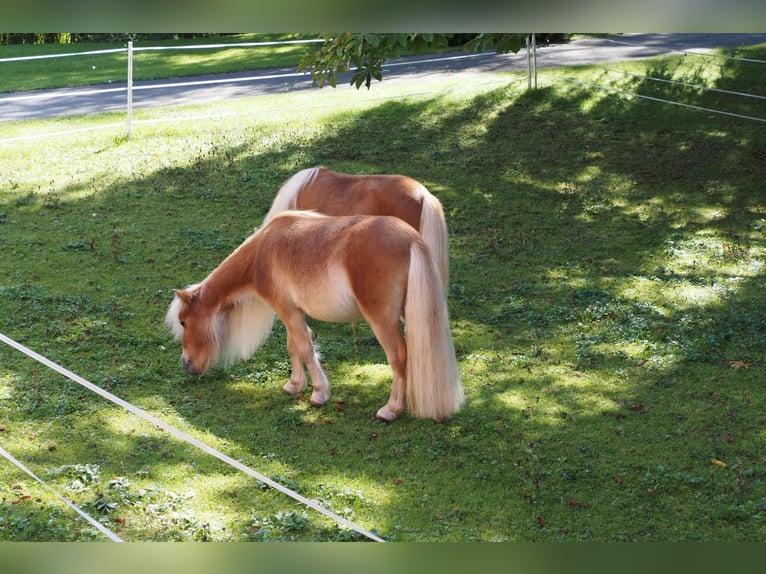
x: 558, y: 405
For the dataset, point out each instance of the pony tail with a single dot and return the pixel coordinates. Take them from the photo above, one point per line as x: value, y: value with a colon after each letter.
x: 287, y: 196
x: 433, y: 230
x: 434, y: 389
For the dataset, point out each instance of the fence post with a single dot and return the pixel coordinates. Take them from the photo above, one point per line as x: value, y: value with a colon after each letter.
x: 534, y: 59
x: 130, y: 88
x: 531, y: 61
x: 529, y: 66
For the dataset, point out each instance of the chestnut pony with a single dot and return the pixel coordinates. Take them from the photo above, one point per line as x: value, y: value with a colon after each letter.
x: 331, y: 193
x: 336, y: 269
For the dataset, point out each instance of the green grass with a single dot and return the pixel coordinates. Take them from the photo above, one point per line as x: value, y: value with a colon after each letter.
x: 147, y: 65
x: 607, y: 301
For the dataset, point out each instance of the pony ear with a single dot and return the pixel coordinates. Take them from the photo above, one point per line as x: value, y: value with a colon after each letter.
x: 185, y: 295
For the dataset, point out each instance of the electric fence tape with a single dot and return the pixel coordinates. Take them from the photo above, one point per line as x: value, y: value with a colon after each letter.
x: 92, y: 521
x: 188, y: 438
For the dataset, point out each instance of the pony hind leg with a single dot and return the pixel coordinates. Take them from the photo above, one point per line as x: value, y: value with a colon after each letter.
x: 302, y: 352
x: 390, y: 338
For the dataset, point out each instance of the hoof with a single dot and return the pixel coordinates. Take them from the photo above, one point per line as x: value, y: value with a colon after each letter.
x: 318, y: 399
x: 386, y: 415
x: 293, y: 388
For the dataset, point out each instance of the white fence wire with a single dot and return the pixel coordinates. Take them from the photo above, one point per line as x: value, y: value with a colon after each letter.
x: 92, y: 521
x: 162, y: 48
x: 129, y: 49
x: 183, y: 436
x: 532, y: 73
x: 691, y: 52
x: 632, y: 94
x: 195, y: 83
x: 687, y: 85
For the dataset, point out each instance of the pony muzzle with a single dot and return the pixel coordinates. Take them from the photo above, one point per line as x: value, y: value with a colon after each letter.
x: 190, y: 367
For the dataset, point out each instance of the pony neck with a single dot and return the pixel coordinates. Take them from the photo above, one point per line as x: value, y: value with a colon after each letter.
x: 242, y: 319
x: 233, y: 280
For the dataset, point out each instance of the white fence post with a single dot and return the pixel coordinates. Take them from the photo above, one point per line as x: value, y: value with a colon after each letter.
x: 534, y: 59
x: 130, y: 88
x: 529, y: 66
x: 531, y: 62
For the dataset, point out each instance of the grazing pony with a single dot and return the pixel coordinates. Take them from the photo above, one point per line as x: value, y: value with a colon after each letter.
x: 331, y: 193
x: 336, y: 269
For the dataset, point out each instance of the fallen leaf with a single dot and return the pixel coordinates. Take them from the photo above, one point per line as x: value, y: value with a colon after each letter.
x: 720, y: 463
x: 541, y: 521
x: 573, y: 504
x: 636, y: 408
x: 618, y: 479
x: 739, y: 365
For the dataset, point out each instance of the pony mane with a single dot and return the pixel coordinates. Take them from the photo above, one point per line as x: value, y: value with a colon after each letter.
x: 235, y: 333
x: 241, y: 330
x: 287, y: 196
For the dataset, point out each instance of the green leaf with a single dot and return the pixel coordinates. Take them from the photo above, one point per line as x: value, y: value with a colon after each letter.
x: 372, y: 39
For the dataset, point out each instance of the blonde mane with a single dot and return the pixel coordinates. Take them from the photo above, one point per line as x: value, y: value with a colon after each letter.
x: 234, y: 334
x: 246, y: 327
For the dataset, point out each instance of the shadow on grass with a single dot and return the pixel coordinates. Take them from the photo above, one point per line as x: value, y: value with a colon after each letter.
x: 608, y: 312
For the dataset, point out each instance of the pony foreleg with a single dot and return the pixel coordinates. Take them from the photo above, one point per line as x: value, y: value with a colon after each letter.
x: 319, y: 383
x: 302, y: 352
x: 297, y: 381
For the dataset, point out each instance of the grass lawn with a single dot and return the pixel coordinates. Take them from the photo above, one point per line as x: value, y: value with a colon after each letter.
x: 147, y: 65
x: 607, y: 300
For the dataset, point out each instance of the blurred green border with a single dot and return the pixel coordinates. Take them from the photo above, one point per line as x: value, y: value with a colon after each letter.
x: 389, y: 16
x: 361, y: 558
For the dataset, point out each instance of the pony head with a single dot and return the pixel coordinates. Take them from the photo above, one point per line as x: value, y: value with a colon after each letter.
x: 213, y: 329
x: 198, y: 326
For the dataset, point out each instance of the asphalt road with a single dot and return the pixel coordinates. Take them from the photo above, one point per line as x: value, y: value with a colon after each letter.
x: 112, y: 97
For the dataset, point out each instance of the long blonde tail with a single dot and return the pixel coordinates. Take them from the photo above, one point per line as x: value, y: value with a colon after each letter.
x: 434, y: 389
x: 287, y: 196
x: 433, y: 230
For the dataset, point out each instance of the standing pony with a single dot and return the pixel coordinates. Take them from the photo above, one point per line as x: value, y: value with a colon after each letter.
x: 336, y: 269
x: 320, y: 189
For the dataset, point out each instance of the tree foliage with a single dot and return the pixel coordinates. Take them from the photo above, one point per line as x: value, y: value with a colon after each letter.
x: 364, y: 54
